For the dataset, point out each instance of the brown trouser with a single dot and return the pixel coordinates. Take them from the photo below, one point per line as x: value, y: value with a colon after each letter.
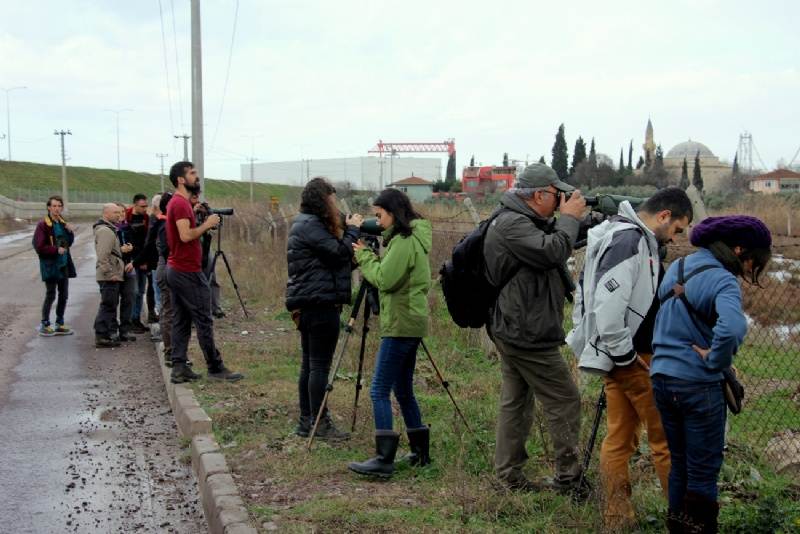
x: 541, y: 374
x: 629, y: 395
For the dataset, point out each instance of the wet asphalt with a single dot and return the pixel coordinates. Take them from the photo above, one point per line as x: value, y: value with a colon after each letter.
x: 87, y: 440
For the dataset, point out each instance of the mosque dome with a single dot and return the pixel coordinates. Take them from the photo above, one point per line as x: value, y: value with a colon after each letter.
x: 689, y: 149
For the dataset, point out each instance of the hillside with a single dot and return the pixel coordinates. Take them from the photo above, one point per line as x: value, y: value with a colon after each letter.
x: 35, y: 182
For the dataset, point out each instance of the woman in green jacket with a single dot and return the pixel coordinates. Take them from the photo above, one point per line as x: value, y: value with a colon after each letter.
x: 403, y: 277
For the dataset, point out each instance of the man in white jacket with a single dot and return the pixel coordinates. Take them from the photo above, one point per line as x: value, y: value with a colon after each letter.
x: 614, y: 312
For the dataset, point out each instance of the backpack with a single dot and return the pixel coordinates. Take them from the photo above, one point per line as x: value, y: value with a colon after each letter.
x: 732, y: 389
x: 468, y: 293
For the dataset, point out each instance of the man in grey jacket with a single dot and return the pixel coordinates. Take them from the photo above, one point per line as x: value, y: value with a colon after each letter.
x: 614, y: 313
x: 526, y: 251
x: 110, y: 273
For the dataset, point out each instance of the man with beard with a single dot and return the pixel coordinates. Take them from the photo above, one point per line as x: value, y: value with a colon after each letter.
x: 189, y: 289
x: 614, y: 314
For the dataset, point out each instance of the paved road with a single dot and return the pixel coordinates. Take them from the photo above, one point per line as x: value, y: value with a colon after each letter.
x: 88, y: 443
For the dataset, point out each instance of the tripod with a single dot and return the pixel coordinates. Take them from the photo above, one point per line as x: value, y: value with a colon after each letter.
x: 598, y: 417
x: 220, y: 253
x: 367, y: 294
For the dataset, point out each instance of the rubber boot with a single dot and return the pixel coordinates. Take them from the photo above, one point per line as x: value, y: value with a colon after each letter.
x: 701, y: 513
x: 382, y: 465
x: 419, y: 441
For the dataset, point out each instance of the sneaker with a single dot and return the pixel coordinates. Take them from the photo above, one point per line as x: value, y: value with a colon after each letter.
x: 63, y: 330
x: 126, y: 337
x: 182, y: 373
x: 45, y: 330
x: 223, y: 373
x: 105, y: 342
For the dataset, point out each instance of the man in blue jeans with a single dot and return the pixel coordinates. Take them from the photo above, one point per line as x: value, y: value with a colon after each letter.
x: 138, y: 222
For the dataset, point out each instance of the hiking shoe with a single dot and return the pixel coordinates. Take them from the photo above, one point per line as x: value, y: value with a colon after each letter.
x: 304, y: 425
x: 138, y: 328
x: 127, y: 337
x: 328, y: 431
x: 182, y: 373
x: 45, y: 330
x: 219, y: 314
x: 105, y: 342
x: 223, y: 373
x: 63, y: 330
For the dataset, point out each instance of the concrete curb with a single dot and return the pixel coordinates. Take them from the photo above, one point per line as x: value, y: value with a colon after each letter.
x: 223, y: 507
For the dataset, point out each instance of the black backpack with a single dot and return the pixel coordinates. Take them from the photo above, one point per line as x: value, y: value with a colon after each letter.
x: 468, y: 293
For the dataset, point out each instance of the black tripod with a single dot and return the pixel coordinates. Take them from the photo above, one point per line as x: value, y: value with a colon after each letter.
x: 220, y: 253
x: 368, y: 296
x: 598, y: 418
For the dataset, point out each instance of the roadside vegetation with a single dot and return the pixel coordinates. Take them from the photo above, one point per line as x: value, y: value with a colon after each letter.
x: 290, y: 489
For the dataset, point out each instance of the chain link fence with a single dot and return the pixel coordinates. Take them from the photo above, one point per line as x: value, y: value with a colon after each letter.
x: 41, y: 195
x: 768, y: 362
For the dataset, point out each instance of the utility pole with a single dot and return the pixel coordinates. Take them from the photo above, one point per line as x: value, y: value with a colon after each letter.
x: 162, y: 156
x: 62, y: 133
x: 185, y: 138
x: 117, y: 112
x: 252, y: 176
x: 197, y: 97
x: 8, y: 116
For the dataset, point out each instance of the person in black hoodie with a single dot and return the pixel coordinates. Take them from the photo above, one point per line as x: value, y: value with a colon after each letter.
x: 139, y: 221
x: 320, y: 257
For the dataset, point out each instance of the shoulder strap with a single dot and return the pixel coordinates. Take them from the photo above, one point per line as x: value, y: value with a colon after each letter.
x: 679, y: 291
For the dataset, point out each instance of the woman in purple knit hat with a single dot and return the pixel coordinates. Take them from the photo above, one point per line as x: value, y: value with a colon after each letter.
x: 696, y: 335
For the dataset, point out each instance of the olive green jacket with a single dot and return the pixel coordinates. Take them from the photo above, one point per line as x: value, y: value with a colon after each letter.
x: 403, y: 278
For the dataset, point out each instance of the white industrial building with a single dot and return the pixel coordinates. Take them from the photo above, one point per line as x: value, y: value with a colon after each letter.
x: 368, y: 172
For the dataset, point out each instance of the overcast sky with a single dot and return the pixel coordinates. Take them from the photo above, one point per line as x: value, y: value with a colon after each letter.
x: 328, y: 79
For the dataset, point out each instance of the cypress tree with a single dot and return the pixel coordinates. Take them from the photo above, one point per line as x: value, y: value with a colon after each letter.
x: 697, y: 176
x: 736, y: 164
x: 684, y: 183
x: 560, y: 159
x: 472, y: 161
x: 630, y: 158
x: 640, y: 163
x: 505, y: 159
x: 450, y: 176
x: 621, y: 169
x: 578, y: 155
x: 592, y: 155
x: 541, y: 160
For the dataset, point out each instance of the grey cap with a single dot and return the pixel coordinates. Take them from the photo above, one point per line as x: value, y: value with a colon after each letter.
x: 539, y: 175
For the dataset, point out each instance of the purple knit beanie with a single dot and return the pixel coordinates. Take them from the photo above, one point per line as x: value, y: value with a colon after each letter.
x: 733, y: 230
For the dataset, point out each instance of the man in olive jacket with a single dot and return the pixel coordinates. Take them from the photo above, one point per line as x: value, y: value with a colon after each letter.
x: 110, y: 273
x: 526, y: 251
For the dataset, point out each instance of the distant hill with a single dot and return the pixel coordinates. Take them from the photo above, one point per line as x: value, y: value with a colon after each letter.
x: 35, y: 181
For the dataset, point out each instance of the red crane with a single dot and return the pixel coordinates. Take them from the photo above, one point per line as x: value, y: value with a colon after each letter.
x: 448, y: 145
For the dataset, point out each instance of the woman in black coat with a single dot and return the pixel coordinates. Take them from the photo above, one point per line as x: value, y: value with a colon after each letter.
x: 320, y: 256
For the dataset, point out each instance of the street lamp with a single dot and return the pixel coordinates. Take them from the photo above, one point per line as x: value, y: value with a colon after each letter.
x: 117, y: 112
x: 8, y: 115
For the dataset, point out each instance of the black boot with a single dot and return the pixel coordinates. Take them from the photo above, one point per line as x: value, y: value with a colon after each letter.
x: 676, y: 521
x: 223, y: 373
x: 328, y: 431
x: 419, y: 441
x: 168, y: 357
x: 304, y: 424
x: 126, y: 337
x: 182, y: 373
x: 701, y: 514
x: 102, y: 342
x: 382, y: 465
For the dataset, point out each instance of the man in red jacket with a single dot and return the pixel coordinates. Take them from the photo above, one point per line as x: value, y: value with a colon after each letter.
x: 52, y: 239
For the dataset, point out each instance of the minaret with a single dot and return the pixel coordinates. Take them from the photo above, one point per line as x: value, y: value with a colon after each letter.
x: 649, y: 144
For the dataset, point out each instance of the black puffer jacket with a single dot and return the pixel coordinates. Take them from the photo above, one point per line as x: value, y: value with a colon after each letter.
x: 319, y: 264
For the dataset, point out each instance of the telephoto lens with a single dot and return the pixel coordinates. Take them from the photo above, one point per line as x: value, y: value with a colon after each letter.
x: 371, y: 227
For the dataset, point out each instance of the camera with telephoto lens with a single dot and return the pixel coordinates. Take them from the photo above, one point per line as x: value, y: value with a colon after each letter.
x: 220, y: 211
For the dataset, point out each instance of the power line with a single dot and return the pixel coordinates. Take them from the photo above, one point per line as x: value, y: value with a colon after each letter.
x: 177, y: 65
x: 166, y: 66
x: 227, y: 74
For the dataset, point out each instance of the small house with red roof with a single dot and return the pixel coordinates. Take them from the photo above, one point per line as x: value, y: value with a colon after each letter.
x: 777, y: 181
x: 418, y: 189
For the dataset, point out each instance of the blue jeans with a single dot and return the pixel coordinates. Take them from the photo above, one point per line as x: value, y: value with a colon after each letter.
x: 693, y: 415
x: 394, y: 370
x: 138, y: 302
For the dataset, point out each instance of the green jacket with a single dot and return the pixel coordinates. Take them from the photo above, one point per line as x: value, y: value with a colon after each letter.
x: 403, y: 277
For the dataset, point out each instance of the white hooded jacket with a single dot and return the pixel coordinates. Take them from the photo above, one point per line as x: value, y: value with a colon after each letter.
x: 615, y: 291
